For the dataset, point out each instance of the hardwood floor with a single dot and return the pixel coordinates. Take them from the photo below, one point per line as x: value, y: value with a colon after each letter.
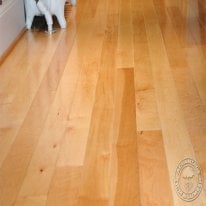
x: 102, y: 113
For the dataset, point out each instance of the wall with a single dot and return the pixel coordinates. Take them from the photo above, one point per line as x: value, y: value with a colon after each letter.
x: 12, y: 22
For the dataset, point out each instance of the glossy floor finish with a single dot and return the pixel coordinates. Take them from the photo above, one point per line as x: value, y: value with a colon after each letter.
x: 100, y: 114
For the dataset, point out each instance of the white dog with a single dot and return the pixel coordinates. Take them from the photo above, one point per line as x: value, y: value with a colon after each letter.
x: 46, y: 8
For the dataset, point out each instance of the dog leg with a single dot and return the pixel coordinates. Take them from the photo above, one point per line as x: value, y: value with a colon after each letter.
x: 31, y: 11
x: 59, y: 13
x: 73, y: 2
x: 47, y: 15
x: 29, y: 20
x: 61, y: 19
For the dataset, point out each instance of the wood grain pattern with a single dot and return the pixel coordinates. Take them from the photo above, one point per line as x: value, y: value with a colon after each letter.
x: 127, y: 189
x: 101, y: 113
x: 125, y: 49
x: 151, y: 149
x: 146, y: 106
x: 64, y: 187
x: 169, y: 107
